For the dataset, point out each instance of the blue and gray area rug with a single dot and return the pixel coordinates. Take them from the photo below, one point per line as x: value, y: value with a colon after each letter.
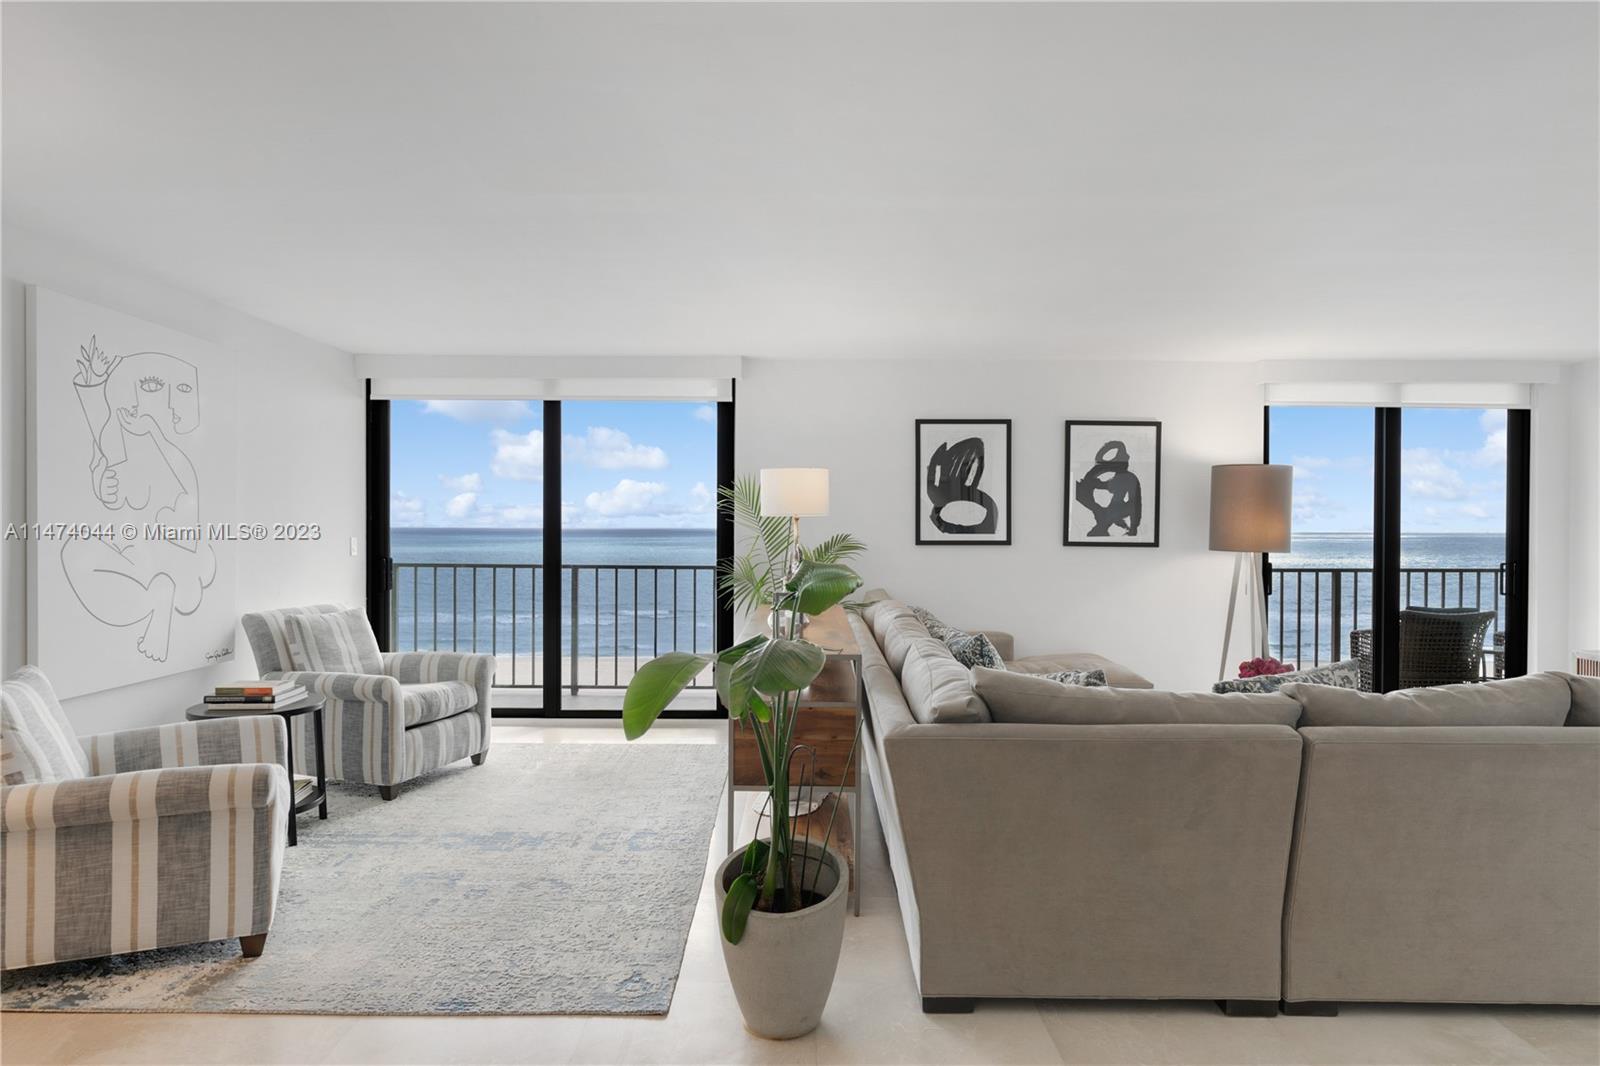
x: 554, y: 879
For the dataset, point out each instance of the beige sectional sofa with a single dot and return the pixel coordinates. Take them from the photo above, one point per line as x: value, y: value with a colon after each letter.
x: 1191, y: 846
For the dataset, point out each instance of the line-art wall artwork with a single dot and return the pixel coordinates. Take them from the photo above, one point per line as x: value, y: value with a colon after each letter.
x: 131, y: 494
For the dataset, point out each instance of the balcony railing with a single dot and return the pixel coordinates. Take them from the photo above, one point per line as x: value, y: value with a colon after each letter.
x: 1312, y: 610
x: 615, y: 616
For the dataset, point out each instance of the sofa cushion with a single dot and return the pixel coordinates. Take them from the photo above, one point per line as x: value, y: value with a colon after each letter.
x: 937, y: 688
x: 429, y: 701
x: 894, y: 627
x: 337, y: 642
x: 1536, y: 700
x: 973, y: 649
x: 1014, y: 697
x: 1117, y: 675
x: 36, y: 740
x: 1585, y: 700
x: 1344, y: 674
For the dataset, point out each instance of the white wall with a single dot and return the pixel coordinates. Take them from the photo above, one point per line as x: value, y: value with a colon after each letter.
x: 1584, y: 486
x: 301, y: 458
x: 1158, y: 610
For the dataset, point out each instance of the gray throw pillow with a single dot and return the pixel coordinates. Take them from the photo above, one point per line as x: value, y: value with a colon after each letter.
x: 973, y: 649
x: 1345, y: 674
x: 340, y: 642
x: 1033, y: 698
x: 1536, y: 700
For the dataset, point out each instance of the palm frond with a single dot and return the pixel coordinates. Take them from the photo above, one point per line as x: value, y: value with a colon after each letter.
x: 835, y: 549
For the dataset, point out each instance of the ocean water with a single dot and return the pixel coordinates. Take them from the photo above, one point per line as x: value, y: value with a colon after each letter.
x: 643, y: 592
x: 1436, y: 570
x: 639, y: 592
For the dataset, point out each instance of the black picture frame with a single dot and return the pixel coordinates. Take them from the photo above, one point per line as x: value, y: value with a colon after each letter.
x: 1150, y: 501
x: 924, y: 506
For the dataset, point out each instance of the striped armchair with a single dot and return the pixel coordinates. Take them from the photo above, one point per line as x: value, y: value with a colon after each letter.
x: 140, y: 839
x: 425, y: 710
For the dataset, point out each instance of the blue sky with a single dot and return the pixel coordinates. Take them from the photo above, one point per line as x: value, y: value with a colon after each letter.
x: 1452, y: 468
x: 478, y: 463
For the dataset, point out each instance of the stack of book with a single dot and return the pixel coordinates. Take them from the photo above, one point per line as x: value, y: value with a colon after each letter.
x: 254, y: 697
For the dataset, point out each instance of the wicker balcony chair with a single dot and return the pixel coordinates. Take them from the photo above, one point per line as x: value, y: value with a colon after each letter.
x: 1438, y: 646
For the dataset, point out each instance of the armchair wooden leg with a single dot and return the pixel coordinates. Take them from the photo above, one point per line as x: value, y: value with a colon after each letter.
x: 477, y: 760
x: 252, y: 946
x: 388, y: 792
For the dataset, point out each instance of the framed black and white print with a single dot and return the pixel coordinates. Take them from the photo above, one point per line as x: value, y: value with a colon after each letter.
x: 1113, y: 491
x: 963, y: 481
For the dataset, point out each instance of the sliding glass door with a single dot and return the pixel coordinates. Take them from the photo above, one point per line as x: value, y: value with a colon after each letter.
x: 1410, y: 545
x: 638, y: 545
x: 572, y: 540
x: 1322, y: 590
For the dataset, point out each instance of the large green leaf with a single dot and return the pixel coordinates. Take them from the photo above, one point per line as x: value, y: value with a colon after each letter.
x: 755, y: 856
x: 734, y: 686
x: 657, y: 684
x: 784, y: 666
x: 819, y: 586
x: 736, y: 907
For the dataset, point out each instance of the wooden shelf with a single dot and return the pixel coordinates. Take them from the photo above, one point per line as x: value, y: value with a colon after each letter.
x: 830, y: 730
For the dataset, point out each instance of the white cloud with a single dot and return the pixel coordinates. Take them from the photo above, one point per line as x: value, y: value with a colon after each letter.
x: 629, y: 497
x: 611, y: 449
x: 480, y: 410
x: 705, y: 413
x: 1493, y: 452
x: 519, y: 456
x: 700, y: 498
x: 463, y: 483
x: 406, y: 510
x: 1429, y: 473
x: 461, y: 504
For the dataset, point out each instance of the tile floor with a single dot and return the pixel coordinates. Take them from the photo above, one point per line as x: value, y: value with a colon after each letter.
x: 873, y: 1015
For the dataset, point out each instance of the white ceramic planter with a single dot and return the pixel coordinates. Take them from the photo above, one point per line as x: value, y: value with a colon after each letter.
x: 782, y: 970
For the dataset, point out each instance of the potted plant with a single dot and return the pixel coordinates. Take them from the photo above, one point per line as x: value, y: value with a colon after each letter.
x: 781, y: 899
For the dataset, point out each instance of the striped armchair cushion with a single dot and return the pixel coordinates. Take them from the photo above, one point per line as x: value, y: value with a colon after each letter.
x: 36, y: 741
x: 268, y: 633
x: 337, y: 642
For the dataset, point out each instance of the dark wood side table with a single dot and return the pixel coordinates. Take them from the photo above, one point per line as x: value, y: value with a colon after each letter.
x: 307, y: 704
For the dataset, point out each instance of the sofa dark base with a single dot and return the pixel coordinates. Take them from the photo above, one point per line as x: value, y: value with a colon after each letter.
x: 1249, y: 1008
x: 948, y: 1004
x: 1311, y: 1009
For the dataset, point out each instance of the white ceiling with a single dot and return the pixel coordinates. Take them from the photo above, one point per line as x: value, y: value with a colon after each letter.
x: 1141, y: 181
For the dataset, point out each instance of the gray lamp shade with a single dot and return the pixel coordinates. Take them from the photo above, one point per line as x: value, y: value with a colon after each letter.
x: 1250, y: 507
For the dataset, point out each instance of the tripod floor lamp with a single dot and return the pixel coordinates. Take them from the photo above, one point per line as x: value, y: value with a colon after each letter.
x: 1251, y: 505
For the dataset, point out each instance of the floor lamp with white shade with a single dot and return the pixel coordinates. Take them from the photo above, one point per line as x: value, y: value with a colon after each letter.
x: 1251, y: 508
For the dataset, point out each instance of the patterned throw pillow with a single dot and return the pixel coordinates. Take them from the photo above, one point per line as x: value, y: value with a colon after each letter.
x: 930, y: 622
x: 973, y: 649
x: 340, y: 642
x: 1081, y: 678
x: 1344, y: 674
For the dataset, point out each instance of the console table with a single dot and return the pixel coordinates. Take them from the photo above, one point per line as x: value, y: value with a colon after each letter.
x: 830, y: 719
